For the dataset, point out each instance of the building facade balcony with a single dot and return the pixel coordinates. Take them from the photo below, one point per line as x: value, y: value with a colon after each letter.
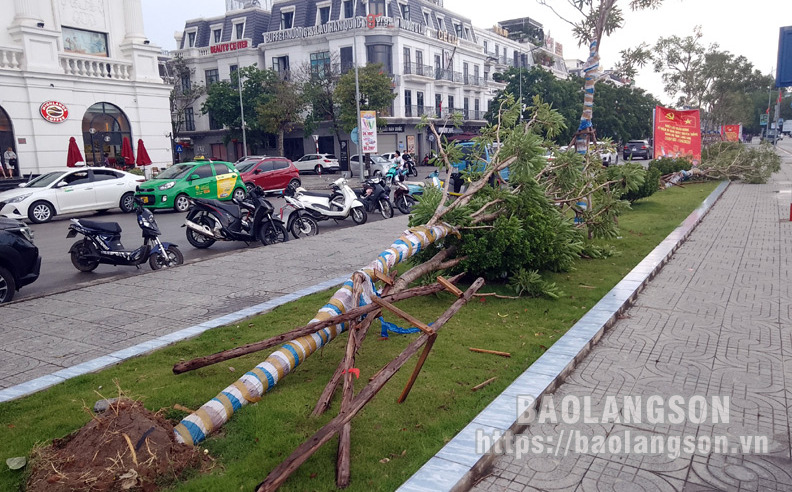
x: 414, y: 71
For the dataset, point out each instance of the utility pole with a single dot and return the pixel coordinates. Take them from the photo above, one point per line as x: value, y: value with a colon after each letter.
x: 357, y: 102
x: 241, y: 108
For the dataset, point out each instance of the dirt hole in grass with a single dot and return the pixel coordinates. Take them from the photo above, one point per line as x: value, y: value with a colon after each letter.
x: 124, y: 448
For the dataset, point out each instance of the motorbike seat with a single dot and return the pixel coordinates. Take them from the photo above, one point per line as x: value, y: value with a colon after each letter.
x: 111, y: 227
x: 317, y: 194
x: 231, y: 208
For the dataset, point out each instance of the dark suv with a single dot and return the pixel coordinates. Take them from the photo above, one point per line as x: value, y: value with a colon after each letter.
x: 19, y: 258
x: 637, y: 148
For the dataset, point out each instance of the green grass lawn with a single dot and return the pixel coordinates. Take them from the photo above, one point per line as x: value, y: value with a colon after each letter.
x: 389, y: 441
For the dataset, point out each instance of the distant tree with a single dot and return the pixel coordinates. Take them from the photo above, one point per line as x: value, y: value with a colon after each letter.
x: 319, y: 87
x: 281, y: 106
x: 376, y: 93
x: 185, y: 92
x: 681, y: 61
x: 222, y: 104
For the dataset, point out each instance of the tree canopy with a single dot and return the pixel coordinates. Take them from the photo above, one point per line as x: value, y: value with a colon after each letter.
x: 376, y: 93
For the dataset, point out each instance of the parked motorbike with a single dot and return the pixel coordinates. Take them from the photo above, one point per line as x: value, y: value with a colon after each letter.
x: 245, y: 220
x: 409, y: 165
x: 102, y: 244
x: 375, y: 196
x: 405, y: 194
x: 338, y: 205
x: 300, y: 223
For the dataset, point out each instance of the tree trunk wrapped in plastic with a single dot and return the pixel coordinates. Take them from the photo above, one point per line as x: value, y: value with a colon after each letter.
x: 252, y: 385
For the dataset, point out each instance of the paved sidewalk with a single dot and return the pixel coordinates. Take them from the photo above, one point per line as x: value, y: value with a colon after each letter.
x: 714, y: 322
x: 50, y: 338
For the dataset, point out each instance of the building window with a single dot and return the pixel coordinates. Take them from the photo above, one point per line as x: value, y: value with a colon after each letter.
x: 497, y: 50
x: 427, y: 19
x: 466, y: 72
x: 405, y: 10
x: 212, y: 77
x: 320, y: 64
x: 465, y: 108
x: 280, y: 64
x: 217, y: 35
x: 287, y: 20
x: 450, y: 103
x: 377, y: 7
x: 476, y: 109
x: 232, y: 69
x: 458, y: 30
x: 347, y: 59
x: 407, y: 64
x: 467, y: 33
x: 440, y: 23
x: 213, y: 124
x: 189, y: 120
x: 186, y: 85
x: 408, y: 103
x: 380, y: 53
x: 419, y: 60
x: 485, y: 46
x: 323, y: 15
x: 419, y: 100
x: 239, y: 30
x: 439, y: 104
x: 191, y: 39
x: 349, y: 9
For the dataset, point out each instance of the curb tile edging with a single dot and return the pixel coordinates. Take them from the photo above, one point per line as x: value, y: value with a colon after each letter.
x: 444, y: 471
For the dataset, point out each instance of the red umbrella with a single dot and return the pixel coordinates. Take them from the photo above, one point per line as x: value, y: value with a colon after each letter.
x: 74, y: 156
x: 143, y: 158
x: 126, y: 152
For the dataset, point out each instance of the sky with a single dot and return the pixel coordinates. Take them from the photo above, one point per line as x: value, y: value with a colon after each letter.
x: 743, y: 28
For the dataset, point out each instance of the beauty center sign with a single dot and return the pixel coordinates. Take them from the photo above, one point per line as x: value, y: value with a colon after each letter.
x: 342, y: 25
x: 232, y: 46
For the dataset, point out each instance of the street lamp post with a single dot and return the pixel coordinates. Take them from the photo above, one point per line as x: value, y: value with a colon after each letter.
x: 241, y: 108
x: 357, y: 103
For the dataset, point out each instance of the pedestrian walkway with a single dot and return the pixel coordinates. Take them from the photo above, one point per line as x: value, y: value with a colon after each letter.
x: 52, y: 338
x: 714, y: 322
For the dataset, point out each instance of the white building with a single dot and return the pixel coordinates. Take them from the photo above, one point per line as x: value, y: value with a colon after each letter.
x: 80, y: 69
x: 439, y: 63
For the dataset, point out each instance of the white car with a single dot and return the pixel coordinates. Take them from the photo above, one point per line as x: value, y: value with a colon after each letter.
x: 74, y: 190
x: 317, y: 163
x: 379, y: 166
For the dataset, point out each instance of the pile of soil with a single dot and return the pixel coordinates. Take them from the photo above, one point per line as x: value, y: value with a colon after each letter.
x: 125, y: 448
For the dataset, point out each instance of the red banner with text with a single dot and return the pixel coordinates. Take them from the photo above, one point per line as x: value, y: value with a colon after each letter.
x: 677, y: 134
x: 731, y: 133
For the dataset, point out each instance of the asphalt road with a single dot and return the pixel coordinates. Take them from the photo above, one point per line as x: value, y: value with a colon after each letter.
x: 58, y: 274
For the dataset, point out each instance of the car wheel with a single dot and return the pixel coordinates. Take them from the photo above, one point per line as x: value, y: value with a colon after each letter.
x: 239, y: 194
x: 318, y: 169
x: 359, y: 215
x: 181, y: 203
x: 7, y: 285
x: 41, y: 212
x: 295, y: 183
x: 79, y: 257
x: 127, y: 203
x: 174, y: 257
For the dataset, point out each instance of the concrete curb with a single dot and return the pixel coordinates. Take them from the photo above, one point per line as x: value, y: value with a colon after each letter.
x: 458, y: 465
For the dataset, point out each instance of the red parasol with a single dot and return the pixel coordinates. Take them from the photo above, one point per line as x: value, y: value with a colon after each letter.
x: 143, y: 158
x: 74, y: 156
x: 126, y: 152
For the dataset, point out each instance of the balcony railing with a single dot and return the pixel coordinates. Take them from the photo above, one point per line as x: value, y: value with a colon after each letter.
x: 449, y: 75
x: 96, y: 68
x: 415, y: 111
x: 10, y: 58
x: 416, y: 69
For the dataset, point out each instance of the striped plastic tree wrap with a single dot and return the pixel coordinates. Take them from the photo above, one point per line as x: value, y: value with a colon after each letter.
x: 252, y: 385
x: 591, y: 70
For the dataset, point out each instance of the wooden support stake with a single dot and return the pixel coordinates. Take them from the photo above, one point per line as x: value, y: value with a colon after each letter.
x: 481, y: 385
x: 343, y: 459
x: 418, y: 367
x: 305, y: 450
x: 493, y: 352
x: 381, y: 276
x: 449, y: 286
x: 204, y: 361
x: 404, y: 315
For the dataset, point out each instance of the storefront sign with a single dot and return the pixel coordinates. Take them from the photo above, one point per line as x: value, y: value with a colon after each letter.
x: 232, y: 46
x: 53, y: 111
x: 368, y: 133
x: 342, y: 25
x: 391, y: 129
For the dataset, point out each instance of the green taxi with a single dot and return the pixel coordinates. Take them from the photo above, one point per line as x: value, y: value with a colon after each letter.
x: 174, y: 187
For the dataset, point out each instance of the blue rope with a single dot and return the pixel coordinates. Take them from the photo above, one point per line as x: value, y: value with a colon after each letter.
x: 387, y: 326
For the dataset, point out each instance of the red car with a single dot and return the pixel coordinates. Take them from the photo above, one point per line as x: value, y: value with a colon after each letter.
x: 271, y: 173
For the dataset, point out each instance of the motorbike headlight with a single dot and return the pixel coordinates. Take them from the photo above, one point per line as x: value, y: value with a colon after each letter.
x: 167, y: 186
x: 27, y: 233
x: 19, y: 198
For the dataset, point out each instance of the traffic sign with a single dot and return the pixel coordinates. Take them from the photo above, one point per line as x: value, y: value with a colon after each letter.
x: 179, y: 149
x: 763, y: 119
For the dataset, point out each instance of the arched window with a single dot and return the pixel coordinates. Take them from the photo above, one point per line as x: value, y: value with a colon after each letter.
x: 6, y: 134
x: 104, y: 126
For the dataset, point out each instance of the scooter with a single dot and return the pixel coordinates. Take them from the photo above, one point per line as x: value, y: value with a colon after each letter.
x: 102, y: 244
x: 406, y: 193
x: 245, y: 220
x: 338, y: 205
x: 409, y: 165
x: 375, y: 195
